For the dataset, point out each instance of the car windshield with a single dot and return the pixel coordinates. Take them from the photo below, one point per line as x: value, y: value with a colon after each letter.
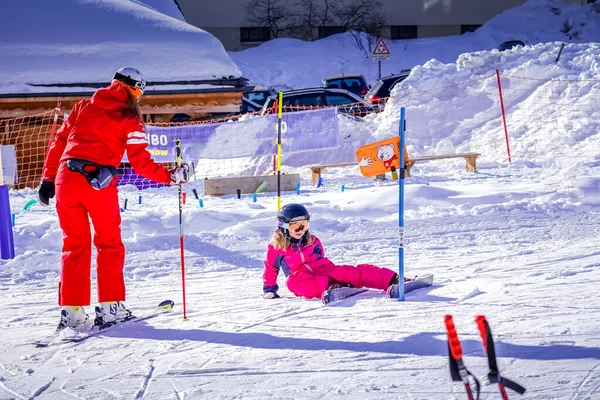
x: 344, y: 83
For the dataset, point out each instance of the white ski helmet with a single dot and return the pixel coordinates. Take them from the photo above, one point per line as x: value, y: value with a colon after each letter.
x: 132, y: 78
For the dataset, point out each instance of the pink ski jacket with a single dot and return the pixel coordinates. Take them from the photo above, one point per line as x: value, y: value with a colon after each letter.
x: 297, y: 258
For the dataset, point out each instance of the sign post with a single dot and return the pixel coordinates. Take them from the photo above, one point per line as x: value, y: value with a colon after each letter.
x: 380, y: 53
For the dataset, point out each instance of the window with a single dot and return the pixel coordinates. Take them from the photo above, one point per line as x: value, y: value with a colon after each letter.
x: 325, y: 31
x: 307, y: 100
x: 259, y: 97
x: 254, y: 34
x: 389, y: 84
x: 338, y: 100
x: 404, y: 32
x: 468, y: 28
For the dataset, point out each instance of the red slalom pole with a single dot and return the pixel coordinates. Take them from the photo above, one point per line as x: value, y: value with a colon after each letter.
x: 181, y: 246
x: 503, y: 114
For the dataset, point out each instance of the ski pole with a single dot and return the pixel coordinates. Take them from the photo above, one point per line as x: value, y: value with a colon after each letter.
x: 490, y: 350
x: 178, y: 155
x: 458, y: 371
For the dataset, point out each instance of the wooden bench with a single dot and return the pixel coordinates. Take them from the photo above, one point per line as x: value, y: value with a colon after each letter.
x: 470, y: 159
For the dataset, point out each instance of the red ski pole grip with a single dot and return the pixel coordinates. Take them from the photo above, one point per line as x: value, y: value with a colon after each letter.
x: 453, y: 341
x: 480, y: 320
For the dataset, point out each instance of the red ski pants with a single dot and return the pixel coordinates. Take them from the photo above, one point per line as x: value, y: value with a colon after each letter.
x: 312, y: 284
x: 76, y: 203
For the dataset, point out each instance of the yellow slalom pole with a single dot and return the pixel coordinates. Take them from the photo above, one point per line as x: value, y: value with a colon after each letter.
x: 279, y: 115
x: 179, y: 161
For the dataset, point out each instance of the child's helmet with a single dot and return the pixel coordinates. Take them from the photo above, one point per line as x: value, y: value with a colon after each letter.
x: 133, y: 79
x: 288, y: 212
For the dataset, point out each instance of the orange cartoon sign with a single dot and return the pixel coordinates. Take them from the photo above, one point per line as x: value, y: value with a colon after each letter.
x: 379, y: 157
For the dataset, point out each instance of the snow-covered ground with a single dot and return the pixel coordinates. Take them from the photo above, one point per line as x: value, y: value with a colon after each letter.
x: 518, y: 242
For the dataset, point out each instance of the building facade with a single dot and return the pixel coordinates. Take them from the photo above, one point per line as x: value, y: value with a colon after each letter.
x: 404, y: 19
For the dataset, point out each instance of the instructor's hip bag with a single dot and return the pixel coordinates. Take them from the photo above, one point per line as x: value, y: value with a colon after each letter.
x: 98, y: 176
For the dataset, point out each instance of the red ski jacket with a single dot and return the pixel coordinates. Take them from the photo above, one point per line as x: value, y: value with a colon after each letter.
x: 100, y: 130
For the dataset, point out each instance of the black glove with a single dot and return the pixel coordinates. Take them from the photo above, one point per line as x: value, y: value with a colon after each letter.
x: 271, y: 295
x: 46, y: 192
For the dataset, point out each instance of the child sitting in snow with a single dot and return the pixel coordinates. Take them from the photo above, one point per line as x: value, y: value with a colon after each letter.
x: 300, y: 255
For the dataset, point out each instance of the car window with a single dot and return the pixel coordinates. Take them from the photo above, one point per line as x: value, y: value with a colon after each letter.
x: 345, y: 83
x: 250, y: 106
x: 257, y: 97
x: 315, y: 99
x: 339, y: 99
x: 390, y: 83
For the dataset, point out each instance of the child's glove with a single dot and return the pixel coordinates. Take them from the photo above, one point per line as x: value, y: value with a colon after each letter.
x: 271, y: 295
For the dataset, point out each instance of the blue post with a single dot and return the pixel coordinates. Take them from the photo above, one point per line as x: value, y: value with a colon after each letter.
x: 13, y: 218
x: 201, y: 203
x: 140, y: 200
x: 298, y: 188
x: 254, y: 197
x: 401, y: 207
x: 343, y: 187
x: 7, y: 244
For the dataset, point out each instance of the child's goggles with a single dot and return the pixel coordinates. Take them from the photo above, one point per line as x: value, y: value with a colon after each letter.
x: 297, y: 226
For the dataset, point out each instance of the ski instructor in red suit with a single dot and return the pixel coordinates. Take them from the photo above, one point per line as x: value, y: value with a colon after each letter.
x: 80, y: 168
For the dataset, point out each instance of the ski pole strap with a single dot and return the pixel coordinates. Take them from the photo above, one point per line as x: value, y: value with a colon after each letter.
x: 458, y: 371
x: 511, y: 385
x: 488, y: 346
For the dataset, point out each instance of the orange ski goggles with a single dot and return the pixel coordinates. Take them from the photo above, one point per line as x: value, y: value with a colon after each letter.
x: 298, y: 226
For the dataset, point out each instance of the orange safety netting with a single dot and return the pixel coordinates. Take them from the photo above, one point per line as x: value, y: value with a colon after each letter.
x: 568, y: 108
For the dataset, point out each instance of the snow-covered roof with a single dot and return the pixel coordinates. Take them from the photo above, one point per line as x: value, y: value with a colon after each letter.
x: 86, y: 41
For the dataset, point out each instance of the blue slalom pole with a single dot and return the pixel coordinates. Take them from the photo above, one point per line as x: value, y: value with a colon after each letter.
x: 7, y: 244
x: 401, y: 207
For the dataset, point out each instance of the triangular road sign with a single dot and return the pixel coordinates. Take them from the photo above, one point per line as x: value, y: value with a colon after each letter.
x: 381, y: 48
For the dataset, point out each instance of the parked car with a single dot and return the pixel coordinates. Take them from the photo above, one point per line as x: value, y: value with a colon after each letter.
x: 510, y: 44
x: 295, y: 100
x: 254, y: 100
x: 356, y: 84
x: 381, y: 90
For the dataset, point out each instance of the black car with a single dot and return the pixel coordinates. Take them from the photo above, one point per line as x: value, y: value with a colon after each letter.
x: 510, y: 44
x: 253, y: 101
x: 382, y: 88
x: 303, y: 99
x: 356, y: 84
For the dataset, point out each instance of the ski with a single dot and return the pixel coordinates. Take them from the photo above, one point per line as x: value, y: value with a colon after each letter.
x: 419, y: 282
x: 97, y: 328
x: 334, y: 295
x: 458, y: 370
x: 494, y: 373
